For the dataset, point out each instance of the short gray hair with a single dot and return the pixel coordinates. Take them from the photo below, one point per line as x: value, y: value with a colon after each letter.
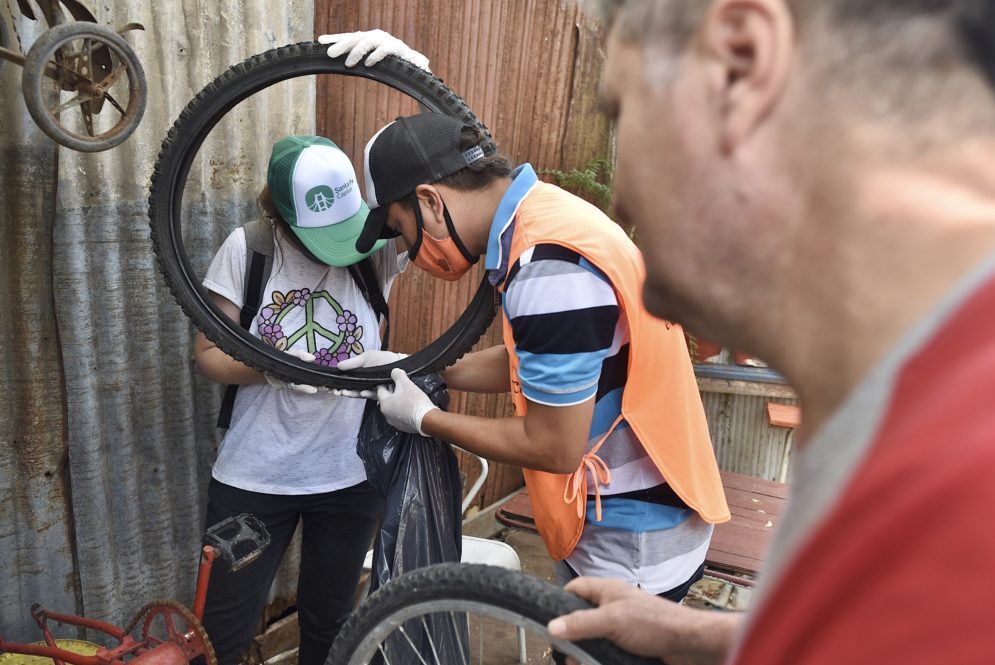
x: 907, y: 58
x: 655, y: 22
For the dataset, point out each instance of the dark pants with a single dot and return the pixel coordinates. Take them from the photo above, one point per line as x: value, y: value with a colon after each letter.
x: 337, y: 530
x: 676, y: 595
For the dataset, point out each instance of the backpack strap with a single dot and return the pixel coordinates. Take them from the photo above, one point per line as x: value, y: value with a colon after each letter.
x: 258, y: 266
x: 366, y: 279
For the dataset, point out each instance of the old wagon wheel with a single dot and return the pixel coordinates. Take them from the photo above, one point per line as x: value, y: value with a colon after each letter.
x: 98, y: 69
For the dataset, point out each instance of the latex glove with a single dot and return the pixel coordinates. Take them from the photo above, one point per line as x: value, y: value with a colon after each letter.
x: 370, y: 359
x: 366, y: 359
x: 404, y: 406
x: 302, y: 388
x: 379, y: 42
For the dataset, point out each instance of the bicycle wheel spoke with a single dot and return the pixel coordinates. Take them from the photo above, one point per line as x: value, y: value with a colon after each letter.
x: 109, y: 97
x: 431, y: 642
x: 55, y: 70
x: 414, y: 649
x: 79, y: 99
x: 480, y: 631
x: 459, y: 643
x: 113, y: 77
x: 87, y: 118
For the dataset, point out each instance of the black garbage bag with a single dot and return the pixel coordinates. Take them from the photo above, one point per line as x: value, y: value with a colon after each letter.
x: 419, y: 479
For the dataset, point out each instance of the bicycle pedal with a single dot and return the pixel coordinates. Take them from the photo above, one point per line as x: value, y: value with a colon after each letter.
x: 239, y: 539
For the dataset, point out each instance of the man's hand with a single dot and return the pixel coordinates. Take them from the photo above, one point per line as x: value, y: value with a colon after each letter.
x: 381, y: 43
x: 366, y: 359
x: 646, y: 625
x: 302, y: 388
x: 404, y: 406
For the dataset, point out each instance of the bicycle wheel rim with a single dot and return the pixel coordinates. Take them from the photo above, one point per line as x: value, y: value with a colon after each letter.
x: 180, y: 148
x: 371, y: 644
x: 33, y: 82
x: 485, y: 592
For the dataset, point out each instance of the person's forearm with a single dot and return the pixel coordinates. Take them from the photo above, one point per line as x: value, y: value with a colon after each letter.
x: 485, y: 371
x: 503, y: 440
x: 710, y: 639
x: 216, y: 365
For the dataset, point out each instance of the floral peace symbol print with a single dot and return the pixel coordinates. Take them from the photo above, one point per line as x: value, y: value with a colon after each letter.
x: 328, y: 346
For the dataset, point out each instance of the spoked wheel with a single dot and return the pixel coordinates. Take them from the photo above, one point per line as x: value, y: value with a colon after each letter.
x: 166, y: 621
x: 166, y: 200
x: 465, y: 614
x: 94, y: 70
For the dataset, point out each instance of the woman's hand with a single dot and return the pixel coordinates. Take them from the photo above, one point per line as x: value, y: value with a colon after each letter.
x: 381, y: 43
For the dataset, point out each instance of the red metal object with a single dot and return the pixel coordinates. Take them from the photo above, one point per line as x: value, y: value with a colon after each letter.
x: 170, y: 633
x: 178, y: 640
x: 207, y: 556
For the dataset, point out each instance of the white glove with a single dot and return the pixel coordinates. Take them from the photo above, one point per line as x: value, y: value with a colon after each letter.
x: 302, y: 388
x: 381, y: 43
x: 405, y: 406
x: 370, y: 359
x: 366, y: 359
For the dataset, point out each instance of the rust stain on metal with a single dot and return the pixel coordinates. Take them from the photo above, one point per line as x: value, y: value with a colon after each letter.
x: 228, y: 173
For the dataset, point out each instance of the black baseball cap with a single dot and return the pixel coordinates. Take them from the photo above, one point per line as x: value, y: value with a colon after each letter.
x: 412, y: 151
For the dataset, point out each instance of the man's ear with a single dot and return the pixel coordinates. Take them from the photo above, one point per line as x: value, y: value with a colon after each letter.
x: 430, y: 199
x: 432, y: 207
x: 752, y: 41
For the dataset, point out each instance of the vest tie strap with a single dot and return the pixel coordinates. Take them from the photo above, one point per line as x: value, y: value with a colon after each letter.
x: 576, y: 485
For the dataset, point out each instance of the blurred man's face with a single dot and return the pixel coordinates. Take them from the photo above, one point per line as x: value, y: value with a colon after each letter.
x: 693, y: 182
x: 659, y: 170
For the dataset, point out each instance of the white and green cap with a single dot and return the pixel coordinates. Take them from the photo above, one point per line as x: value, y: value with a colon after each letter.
x: 313, y: 186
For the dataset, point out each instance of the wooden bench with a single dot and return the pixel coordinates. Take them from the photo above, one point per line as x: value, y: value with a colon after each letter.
x: 737, y: 547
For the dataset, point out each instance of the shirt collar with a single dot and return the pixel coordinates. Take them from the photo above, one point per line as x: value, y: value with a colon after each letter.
x: 503, y: 224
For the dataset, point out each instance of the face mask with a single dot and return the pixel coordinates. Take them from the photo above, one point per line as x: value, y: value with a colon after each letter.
x: 447, y: 258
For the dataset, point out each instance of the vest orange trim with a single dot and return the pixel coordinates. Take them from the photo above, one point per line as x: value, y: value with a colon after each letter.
x: 661, y: 401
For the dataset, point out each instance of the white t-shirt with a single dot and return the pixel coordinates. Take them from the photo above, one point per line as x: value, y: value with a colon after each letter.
x: 281, y: 441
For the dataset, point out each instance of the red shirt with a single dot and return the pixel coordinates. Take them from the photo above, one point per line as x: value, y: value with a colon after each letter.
x: 901, y: 569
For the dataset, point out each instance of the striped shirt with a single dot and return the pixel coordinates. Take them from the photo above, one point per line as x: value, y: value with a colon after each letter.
x: 572, y: 343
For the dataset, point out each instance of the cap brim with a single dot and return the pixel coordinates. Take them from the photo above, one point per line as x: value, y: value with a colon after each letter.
x: 376, y: 219
x: 336, y: 245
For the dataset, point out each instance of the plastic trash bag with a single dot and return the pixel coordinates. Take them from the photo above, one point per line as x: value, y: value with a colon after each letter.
x: 420, y: 481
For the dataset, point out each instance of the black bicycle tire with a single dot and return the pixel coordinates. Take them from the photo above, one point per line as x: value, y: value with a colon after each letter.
x: 165, y: 203
x: 33, y: 78
x: 523, y: 594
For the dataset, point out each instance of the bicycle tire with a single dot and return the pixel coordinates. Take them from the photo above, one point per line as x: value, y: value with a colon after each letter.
x: 463, y: 585
x: 166, y: 195
x: 33, y: 80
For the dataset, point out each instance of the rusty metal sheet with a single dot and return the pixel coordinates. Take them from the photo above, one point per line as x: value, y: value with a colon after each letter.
x: 528, y: 69
x: 94, y: 342
x: 36, y: 534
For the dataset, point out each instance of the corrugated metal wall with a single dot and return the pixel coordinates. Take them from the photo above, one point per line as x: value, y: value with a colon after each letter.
x: 96, y: 357
x: 744, y: 440
x: 528, y: 69
x: 36, y: 540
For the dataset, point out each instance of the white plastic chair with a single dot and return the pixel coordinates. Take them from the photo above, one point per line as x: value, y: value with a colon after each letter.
x: 481, y: 550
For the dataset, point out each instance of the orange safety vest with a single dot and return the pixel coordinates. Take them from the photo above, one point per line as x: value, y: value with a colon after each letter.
x: 661, y: 401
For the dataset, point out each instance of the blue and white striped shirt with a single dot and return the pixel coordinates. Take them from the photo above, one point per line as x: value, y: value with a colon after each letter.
x: 573, y: 345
